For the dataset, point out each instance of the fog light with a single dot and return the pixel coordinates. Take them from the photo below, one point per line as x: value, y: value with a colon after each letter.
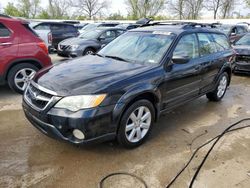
x: 78, y: 134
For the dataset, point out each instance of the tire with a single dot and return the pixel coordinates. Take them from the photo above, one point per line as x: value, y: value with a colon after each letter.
x: 221, y: 88
x: 88, y: 51
x: 17, y: 78
x: 131, y: 138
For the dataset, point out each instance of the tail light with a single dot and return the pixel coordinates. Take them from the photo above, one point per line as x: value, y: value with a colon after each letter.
x: 49, y: 38
x: 43, y: 46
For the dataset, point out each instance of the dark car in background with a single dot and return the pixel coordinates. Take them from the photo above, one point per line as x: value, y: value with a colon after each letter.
x: 22, y: 53
x: 234, y: 32
x: 242, y: 48
x: 122, y: 90
x: 59, y: 31
x: 88, y: 42
x: 93, y: 26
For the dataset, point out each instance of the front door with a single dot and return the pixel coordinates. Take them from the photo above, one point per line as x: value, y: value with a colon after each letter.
x: 182, y: 77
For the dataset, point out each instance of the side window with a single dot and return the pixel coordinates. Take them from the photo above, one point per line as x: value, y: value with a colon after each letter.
x: 4, y: 31
x: 109, y: 35
x: 42, y: 27
x: 221, y: 42
x: 119, y: 32
x: 207, y: 45
x: 187, y: 46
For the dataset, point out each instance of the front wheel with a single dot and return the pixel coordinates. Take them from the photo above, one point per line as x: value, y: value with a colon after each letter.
x: 88, y: 51
x: 221, y: 88
x: 136, y: 124
x: 20, y: 75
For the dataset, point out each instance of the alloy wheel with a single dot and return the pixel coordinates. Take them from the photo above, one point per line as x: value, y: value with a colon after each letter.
x: 23, y: 77
x: 138, y: 124
x: 222, y: 87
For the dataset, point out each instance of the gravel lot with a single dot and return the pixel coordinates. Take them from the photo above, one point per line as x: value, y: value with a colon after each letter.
x: 30, y: 159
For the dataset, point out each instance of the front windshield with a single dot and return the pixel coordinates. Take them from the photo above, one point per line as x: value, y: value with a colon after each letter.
x: 245, y: 40
x: 90, y: 34
x: 141, y: 47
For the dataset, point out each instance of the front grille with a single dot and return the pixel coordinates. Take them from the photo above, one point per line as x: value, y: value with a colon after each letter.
x: 63, y: 47
x: 38, y: 97
x: 240, y: 58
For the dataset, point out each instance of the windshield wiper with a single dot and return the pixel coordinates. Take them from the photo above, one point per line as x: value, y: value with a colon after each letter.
x: 117, y: 58
x: 99, y: 55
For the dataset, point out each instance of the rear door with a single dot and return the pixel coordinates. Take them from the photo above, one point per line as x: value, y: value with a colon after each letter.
x: 8, y: 46
x: 214, y: 52
x: 182, y: 80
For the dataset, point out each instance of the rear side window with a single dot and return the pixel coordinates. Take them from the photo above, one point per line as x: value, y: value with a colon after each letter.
x: 221, y: 42
x: 57, y: 27
x: 4, y: 31
x: 187, y: 46
x: 207, y: 45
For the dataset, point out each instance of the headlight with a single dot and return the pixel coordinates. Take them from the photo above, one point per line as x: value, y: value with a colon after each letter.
x: 75, y: 103
x: 74, y: 47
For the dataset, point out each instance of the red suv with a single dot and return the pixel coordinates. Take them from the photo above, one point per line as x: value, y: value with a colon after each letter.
x: 22, y: 53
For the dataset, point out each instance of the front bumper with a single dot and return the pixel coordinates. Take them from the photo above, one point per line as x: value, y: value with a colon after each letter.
x: 96, y: 124
x: 68, y: 53
x: 241, y: 66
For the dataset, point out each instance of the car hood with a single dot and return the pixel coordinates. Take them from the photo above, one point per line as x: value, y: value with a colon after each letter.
x: 86, y: 75
x: 76, y: 41
x: 242, y: 49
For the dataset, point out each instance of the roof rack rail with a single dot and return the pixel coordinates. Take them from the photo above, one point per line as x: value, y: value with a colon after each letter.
x: 185, y: 24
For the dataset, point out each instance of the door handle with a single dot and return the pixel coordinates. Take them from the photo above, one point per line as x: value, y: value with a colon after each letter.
x: 5, y: 44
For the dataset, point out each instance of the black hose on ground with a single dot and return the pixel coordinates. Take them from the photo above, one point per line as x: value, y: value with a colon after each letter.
x: 217, y: 138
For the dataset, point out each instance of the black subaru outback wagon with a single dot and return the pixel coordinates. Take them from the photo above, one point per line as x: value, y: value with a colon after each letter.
x: 121, y: 91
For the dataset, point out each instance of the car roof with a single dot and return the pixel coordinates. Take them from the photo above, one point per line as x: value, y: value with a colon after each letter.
x: 56, y: 23
x: 176, y: 29
x: 109, y: 28
x: 11, y: 19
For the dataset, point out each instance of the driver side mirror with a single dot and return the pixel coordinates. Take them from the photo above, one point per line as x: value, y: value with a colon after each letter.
x: 178, y: 59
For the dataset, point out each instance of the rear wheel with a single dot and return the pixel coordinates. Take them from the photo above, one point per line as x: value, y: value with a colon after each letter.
x: 221, y: 88
x: 20, y: 75
x: 136, y: 124
x: 88, y: 51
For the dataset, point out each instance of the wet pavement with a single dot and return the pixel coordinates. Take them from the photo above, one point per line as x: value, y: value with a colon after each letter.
x: 30, y: 159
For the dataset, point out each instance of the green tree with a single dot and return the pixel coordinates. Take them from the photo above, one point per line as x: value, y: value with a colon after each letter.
x: 44, y: 15
x: 11, y: 10
x: 116, y: 16
x: 144, y: 8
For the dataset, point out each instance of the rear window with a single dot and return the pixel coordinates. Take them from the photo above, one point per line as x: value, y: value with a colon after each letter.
x: 42, y: 27
x: 30, y: 30
x: 4, y: 31
x: 221, y: 42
